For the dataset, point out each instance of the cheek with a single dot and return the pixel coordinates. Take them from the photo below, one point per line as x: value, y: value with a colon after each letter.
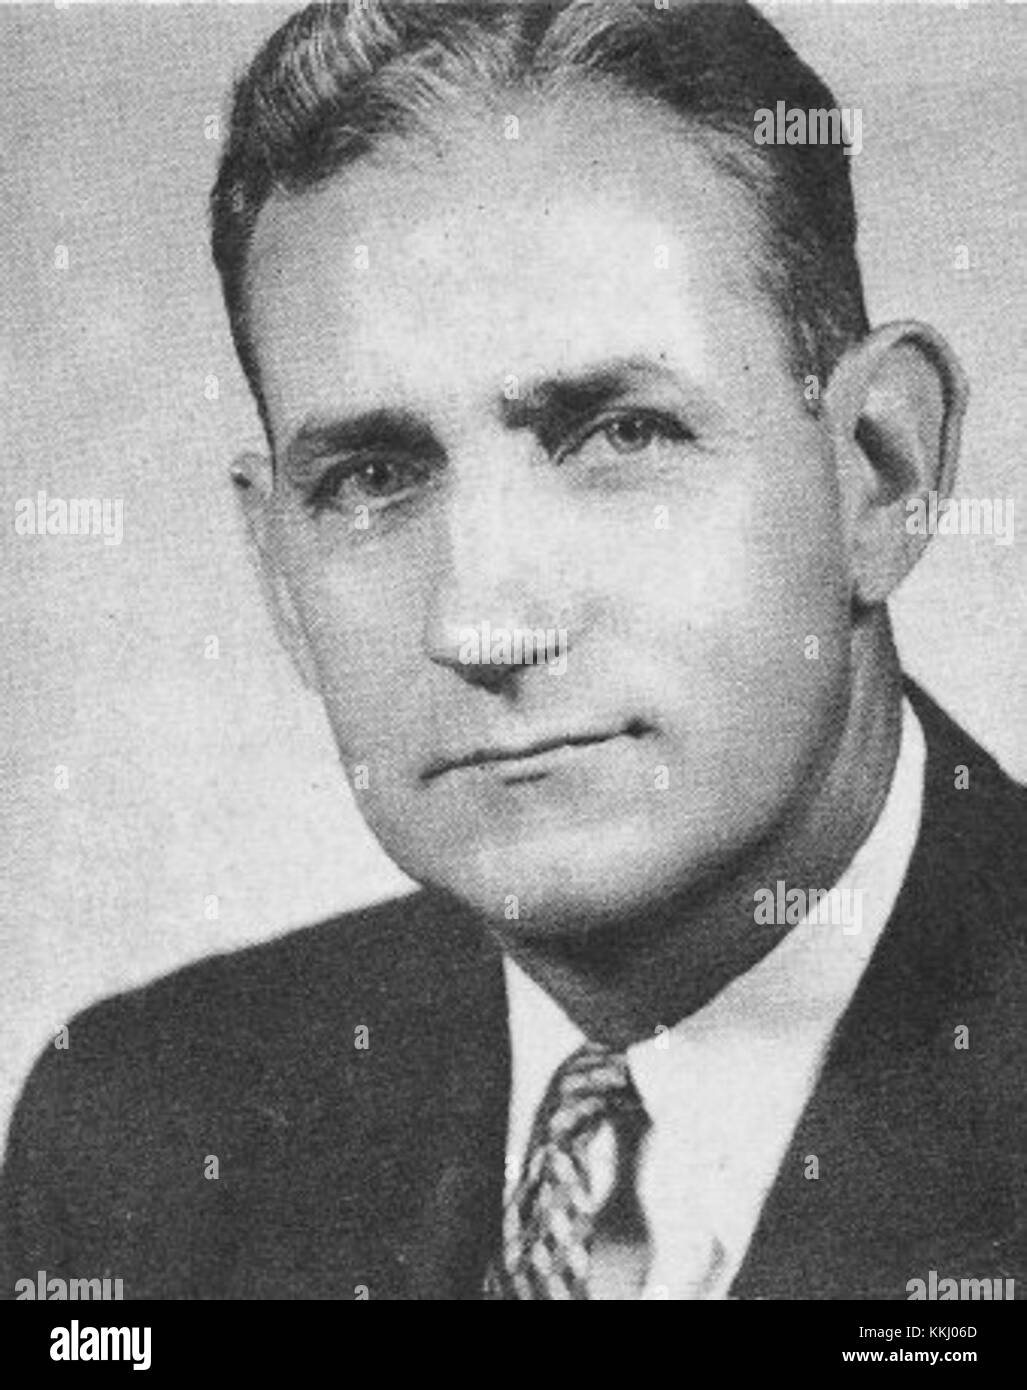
x: 739, y: 608
x: 751, y: 559
x: 363, y: 635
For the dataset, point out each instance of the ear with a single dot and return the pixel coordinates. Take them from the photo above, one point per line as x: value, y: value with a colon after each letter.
x: 894, y: 408
x: 252, y: 476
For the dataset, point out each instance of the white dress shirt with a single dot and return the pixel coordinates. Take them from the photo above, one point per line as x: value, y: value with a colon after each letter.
x: 724, y: 1089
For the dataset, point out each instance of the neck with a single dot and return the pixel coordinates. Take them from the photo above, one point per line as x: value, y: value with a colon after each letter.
x: 618, y: 984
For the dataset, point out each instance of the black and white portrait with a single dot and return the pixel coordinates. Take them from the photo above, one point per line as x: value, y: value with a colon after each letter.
x: 513, y: 647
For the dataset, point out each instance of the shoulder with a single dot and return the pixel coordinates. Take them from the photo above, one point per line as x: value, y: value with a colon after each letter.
x: 207, y: 1048
x: 955, y: 955
x: 222, y: 1022
x: 974, y: 823
x: 250, y: 995
x: 256, y: 1058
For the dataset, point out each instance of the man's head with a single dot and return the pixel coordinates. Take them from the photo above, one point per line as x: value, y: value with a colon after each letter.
x: 541, y: 339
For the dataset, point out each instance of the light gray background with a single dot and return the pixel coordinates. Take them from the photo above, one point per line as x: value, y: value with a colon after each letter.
x: 191, y: 777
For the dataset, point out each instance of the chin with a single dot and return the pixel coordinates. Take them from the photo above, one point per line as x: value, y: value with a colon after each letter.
x: 568, y: 884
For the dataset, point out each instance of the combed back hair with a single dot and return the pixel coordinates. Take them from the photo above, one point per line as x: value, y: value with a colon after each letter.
x: 338, y: 81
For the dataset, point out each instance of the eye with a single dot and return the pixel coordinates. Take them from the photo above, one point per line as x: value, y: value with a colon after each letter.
x: 378, y: 479
x: 632, y: 432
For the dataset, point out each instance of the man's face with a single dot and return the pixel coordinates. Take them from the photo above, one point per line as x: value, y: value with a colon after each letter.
x: 532, y: 384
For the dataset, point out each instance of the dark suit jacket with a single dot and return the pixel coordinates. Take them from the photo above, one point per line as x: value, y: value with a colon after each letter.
x: 344, y: 1168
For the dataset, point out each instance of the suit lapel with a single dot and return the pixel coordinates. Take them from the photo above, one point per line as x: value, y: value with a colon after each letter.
x: 445, y: 1252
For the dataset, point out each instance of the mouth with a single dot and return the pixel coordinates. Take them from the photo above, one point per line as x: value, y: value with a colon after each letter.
x: 533, y: 760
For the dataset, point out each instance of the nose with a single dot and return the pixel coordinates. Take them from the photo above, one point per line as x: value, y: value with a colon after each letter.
x: 499, y: 575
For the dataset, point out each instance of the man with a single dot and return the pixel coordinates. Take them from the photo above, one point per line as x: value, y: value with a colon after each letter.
x: 715, y: 985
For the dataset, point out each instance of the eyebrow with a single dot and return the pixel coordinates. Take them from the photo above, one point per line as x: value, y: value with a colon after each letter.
x: 396, y: 431
x: 549, y: 407
x: 553, y: 406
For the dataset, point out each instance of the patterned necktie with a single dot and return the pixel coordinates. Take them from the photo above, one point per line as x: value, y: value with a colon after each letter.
x: 577, y: 1182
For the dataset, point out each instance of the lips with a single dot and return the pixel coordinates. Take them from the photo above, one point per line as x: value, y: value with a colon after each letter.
x: 524, y: 753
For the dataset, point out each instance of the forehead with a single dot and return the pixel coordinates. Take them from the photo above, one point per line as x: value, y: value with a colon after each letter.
x: 578, y: 233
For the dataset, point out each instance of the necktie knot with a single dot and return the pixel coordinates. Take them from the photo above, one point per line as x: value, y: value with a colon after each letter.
x: 592, y: 1086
